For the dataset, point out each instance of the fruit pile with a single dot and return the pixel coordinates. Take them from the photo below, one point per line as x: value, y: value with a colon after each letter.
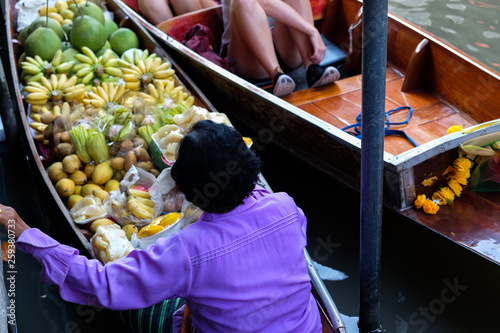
x: 96, y: 99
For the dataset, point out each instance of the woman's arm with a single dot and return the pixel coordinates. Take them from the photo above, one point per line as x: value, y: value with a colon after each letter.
x: 143, y: 278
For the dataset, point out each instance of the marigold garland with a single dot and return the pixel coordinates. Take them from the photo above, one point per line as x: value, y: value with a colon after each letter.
x: 456, y: 175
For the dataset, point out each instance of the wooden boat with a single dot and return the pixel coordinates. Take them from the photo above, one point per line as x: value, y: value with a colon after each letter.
x: 68, y: 231
x: 441, y: 84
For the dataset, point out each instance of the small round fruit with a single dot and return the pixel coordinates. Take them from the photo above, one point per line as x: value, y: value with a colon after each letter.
x: 65, y: 187
x: 71, y: 163
x: 79, y: 177
x: 123, y: 39
x: 73, y: 199
x: 112, y: 185
x: 56, y: 172
x: 102, y: 173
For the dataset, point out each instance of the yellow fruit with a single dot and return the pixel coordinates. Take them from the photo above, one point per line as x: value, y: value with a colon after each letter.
x: 101, y: 194
x: 170, y: 219
x: 73, y: 199
x: 79, y: 177
x: 102, y: 173
x: 87, y: 189
x: 97, y: 223
x: 88, y: 170
x: 112, y: 185
x: 149, y: 230
x: 78, y: 189
x: 65, y: 187
x: 56, y: 172
x: 71, y: 163
x: 130, y: 229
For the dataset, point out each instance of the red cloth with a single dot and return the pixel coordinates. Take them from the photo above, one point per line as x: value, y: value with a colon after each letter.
x: 201, y: 39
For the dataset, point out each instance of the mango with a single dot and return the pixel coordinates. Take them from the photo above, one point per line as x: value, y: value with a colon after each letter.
x: 102, y: 173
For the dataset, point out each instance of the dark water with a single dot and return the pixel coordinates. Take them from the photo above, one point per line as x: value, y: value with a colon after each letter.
x: 471, y: 26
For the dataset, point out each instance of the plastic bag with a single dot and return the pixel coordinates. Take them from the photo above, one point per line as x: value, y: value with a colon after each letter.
x: 109, y: 243
x: 190, y: 214
x: 116, y: 201
x: 87, y: 210
x: 165, y: 187
x: 486, y: 175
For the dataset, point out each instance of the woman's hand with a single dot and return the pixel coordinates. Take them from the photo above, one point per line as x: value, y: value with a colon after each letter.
x: 11, y: 221
x: 319, y: 47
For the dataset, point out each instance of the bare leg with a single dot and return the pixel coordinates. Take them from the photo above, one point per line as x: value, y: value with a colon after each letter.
x: 186, y: 6
x: 292, y: 45
x: 156, y: 11
x: 251, y: 44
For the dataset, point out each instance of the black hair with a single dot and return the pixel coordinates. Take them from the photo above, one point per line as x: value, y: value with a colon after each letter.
x: 214, y: 168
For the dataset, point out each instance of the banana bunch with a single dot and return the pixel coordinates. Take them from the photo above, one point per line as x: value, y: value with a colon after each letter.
x: 152, y: 70
x: 132, y: 56
x: 105, y: 96
x: 121, y: 126
x: 96, y: 68
x: 167, y: 90
x: 35, y: 67
x: 141, y: 206
x: 59, y: 12
x: 55, y: 89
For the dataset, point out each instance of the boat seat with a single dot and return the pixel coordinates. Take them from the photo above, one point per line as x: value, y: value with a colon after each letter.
x: 334, y: 56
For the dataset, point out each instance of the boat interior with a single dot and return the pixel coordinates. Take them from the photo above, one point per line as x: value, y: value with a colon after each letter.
x: 419, y: 104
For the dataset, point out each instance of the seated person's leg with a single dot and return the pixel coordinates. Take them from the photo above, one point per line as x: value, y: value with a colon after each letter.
x: 186, y: 6
x: 156, y: 11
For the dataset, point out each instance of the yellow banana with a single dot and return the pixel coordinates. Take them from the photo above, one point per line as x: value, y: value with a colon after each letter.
x: 56, y: 110
x: 164, y: 74
x: 56, y: 60
x: 46, y: 83
x: 137, y: 210
x: 89, y: 53
x: 86, y: 79
x: 116, y: 72
x: 36, y: 117
x: 37, y: 98
x: 139, y: 193
x: 136, y: 85
x: 148, y: 202
x: 65, y: 67
x: 84, y: 71
x: 164, y: 66
x: 35, y: 88
x: 30, y: 68
x: 83, y: 58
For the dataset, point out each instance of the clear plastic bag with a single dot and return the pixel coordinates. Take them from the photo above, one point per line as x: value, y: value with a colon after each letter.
x: 190, y: 214
x: 116, y: 201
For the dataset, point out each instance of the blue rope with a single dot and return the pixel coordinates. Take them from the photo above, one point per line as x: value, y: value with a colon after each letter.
x: 356, y: 127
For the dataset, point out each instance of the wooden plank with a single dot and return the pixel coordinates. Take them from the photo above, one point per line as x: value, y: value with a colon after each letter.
x: 340, y: 87
x: 472, y: 221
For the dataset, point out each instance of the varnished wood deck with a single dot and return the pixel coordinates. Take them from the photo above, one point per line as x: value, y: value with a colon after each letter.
x: 340, y: 103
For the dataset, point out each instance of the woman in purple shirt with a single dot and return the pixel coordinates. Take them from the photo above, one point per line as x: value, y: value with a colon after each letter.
x: 240, y: 267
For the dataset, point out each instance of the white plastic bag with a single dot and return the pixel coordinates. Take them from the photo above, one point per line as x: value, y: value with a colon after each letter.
x: 116, y: 201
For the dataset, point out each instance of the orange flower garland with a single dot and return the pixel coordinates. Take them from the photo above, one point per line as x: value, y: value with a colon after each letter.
x: 456, y: 176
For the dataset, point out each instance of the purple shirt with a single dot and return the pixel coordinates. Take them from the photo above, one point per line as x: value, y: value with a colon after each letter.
x: 242, y: 271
